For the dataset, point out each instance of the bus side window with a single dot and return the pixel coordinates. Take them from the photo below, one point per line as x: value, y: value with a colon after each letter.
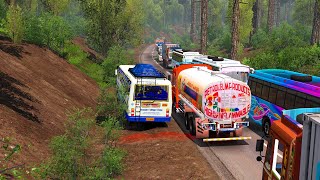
x: 258, y: 89
x: 289, y: 101
x: 265, y: 92
x: 280, y: 98
x: 300, y: 100
x: 312, y: 102
x: 273, y: 95
x: 252, y: 86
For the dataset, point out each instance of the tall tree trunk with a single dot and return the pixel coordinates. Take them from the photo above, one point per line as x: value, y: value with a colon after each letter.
x: 255, y: 18
x: 235, y: 29
x: 271, y: 9
x: 185, y: 19
x: 278, y: 12
x: 315, y: 37
x: 204, y: 25
x: 193, y: 21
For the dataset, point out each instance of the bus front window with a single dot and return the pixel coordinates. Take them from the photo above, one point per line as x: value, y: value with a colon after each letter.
x: 147, y: 92
x: 241, y: 76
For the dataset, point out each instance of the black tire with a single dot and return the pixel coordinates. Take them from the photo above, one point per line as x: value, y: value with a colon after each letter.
x: 192, y: 125
x: 301, y: 78
x: 266, y: 124
x: 186, y: 120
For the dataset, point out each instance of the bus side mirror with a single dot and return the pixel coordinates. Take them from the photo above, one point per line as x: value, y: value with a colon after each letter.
x: 259, y: 145
x: 169, y: 77
x: 115, y: 72
x: 251, y: 70
x: 259, y: 148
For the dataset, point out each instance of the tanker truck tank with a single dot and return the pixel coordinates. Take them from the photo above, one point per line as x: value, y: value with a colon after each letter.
x: 212, y: 103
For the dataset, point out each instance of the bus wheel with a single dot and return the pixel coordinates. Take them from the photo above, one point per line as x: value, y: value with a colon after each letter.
x: 192, y: 125
x: 186, y: 120
x: 266, y: 125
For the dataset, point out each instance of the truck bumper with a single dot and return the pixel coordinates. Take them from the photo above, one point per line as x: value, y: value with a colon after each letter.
x: 226, y: 139
x: 147, y: 119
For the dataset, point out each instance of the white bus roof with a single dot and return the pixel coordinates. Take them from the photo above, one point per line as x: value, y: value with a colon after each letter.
x: 133, y: 79
x: 220, y: 63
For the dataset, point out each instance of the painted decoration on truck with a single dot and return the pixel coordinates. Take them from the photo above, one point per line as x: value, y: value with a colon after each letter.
x: 225, y: 100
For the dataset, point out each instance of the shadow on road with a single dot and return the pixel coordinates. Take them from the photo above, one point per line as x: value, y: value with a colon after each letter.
x: 179, y: 119
x: 144, y: 126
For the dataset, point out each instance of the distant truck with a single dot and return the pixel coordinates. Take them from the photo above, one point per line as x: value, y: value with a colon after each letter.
x: 293, y: 150
x: 213, y: 104
x: 180, y: 56
x: 167, y: 49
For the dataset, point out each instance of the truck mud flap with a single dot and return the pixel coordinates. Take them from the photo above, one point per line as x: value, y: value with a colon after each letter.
x: 226, y: 139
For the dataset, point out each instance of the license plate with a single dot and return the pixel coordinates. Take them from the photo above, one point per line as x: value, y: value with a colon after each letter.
x: 149, y: 119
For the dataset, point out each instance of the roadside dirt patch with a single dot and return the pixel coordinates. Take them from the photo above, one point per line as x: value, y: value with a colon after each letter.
x: 37, y: 88
x: 163, y: 152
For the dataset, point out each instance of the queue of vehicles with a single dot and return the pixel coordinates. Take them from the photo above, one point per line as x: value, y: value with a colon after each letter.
x: 217, y: 96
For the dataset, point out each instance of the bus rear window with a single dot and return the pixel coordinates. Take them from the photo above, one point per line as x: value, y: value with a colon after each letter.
x: 147, y: 92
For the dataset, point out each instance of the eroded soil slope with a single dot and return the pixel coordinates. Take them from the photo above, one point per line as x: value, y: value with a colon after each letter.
x: 37, y: 87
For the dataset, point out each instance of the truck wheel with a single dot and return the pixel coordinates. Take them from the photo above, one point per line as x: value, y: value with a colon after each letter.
x: 186, y: 120
x: 266, y: 124
x: 238, y: 132
x: 192, y: 125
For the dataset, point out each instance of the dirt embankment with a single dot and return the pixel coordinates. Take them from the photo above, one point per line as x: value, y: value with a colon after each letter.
x: 37, y: 87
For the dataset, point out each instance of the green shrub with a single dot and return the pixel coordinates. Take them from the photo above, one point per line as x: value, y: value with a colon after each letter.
x: 301, y: 59
x: 117, y: 55
x: 70, y: 158
x: 3, y: 9
x: 260, y: 39
x: 50, y: 30
x: 15, y: 24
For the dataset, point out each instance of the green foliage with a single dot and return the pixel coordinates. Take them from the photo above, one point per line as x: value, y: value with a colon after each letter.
x: 281, y: 37
x: 6, y: 163
x: 260, y: 39
x: 57, y: 6
x: 301, y: 59
x: 117, y: 55
x: 184, y: 41
x: 47, y: 29
x: 110, y: 164
x: 76, y: 56
x: 215, y: 51
x: 303, y: 12
x: 70, y: 158
x: 3, y: 9
x: 14, y: 25
x: 113, y: 22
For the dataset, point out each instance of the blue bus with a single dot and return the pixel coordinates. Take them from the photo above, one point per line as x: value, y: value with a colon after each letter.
x: 274, y: 90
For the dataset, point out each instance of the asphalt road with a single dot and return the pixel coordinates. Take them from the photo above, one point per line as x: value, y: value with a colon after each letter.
x: 230, y: 159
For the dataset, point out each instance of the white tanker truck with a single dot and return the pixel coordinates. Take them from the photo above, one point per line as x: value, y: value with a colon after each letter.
x: 214, y: 105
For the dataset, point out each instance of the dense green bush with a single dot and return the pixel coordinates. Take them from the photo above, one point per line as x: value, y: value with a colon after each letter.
x: 3, y: 9
x: 48, y: 29
x: 117, y: 55
x: 71, y: 158
x: 14, y: 23
x: 301, y: 59
x: 281, y: 37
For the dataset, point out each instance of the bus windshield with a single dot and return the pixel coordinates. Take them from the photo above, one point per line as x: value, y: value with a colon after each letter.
x: 241, y: 76
x: 148, y: 92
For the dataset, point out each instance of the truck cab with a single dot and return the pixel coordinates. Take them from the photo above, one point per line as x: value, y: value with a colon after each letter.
x: 293, y: 146
x: 167, y: 50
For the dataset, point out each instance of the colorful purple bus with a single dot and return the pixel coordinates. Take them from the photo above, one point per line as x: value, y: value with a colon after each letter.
x: 274, y: 90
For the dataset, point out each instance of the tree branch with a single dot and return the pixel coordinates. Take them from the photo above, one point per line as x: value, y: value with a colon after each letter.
x: 13, y: 167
